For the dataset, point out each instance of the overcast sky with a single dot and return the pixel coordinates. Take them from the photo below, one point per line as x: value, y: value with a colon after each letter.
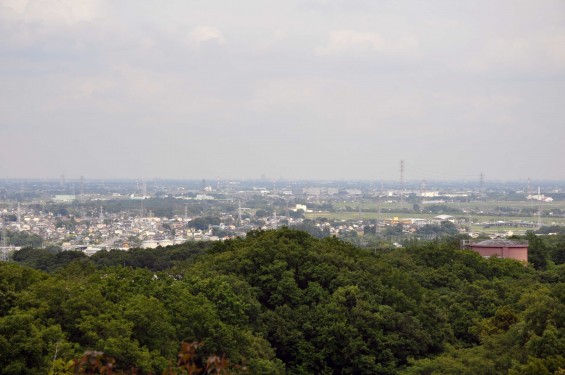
x: 315, y: 89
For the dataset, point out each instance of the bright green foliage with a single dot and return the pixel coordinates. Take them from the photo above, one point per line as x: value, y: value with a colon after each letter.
x: 538, y: 253
x: 286, y: 302
x: 27, y: 345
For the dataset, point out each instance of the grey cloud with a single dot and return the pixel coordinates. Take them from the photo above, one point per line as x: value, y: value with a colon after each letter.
x: 319, y: 89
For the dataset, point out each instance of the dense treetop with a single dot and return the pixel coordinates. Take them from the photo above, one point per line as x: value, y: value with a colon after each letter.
x: 286, y: 302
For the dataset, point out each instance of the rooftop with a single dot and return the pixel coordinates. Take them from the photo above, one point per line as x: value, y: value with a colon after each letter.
x: 499, y: 242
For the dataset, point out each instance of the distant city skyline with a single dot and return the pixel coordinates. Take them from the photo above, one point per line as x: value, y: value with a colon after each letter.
x: 299, y: 89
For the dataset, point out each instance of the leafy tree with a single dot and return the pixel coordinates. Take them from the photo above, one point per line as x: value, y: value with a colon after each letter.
x: 203, y: 223
x: 23, y: 239
x: 285, y: 301
x: 537, y: 251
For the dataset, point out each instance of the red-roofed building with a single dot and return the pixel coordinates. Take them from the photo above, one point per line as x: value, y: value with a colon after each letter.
x: 501, y: 248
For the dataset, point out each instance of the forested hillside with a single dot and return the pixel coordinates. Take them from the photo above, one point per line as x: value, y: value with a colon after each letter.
x: 285, y: 302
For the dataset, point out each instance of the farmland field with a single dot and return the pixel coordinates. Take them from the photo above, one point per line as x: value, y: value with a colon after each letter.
x: 477, y: 212
x: 488, y: 205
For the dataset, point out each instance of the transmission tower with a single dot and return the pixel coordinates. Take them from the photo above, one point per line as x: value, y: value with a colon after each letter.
x: 401, y: 184
x: 81, y: 198
x: 539, y: 208
x: 423, y: 187
x: 377, y: 228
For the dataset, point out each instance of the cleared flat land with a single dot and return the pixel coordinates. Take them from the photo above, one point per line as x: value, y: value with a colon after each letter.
x: 489, y: 205
x: 493, y: 211
x: 354, y: 215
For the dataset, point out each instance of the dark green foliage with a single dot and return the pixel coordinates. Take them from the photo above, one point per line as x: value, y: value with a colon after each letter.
x: 309, y: 227
x: 46, y: 260
x: 203, y: 223
x: 445, y: 228
x: 537, y: 251
x: 285, y: 301
x: 22, y: 239
x: 546, y: 229
x: 154, y: 259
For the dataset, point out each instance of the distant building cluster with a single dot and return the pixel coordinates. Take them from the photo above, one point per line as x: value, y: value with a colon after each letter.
x: 57, y: 214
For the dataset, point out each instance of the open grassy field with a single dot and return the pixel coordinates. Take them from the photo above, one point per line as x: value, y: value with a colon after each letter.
x: 478, y: 212
x: 354, y: 215
x: 488, y: 205
x: 476, y: 227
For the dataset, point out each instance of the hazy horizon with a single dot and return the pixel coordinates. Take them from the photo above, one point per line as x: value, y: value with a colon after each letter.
x: 213, y: 181
x: 300, y: 89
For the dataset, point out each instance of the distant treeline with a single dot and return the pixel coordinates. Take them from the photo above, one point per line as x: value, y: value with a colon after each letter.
x: 158, y: 259
x: 21, y: 238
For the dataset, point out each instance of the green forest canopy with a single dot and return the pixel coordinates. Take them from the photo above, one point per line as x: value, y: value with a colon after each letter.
x: 285, y: 302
